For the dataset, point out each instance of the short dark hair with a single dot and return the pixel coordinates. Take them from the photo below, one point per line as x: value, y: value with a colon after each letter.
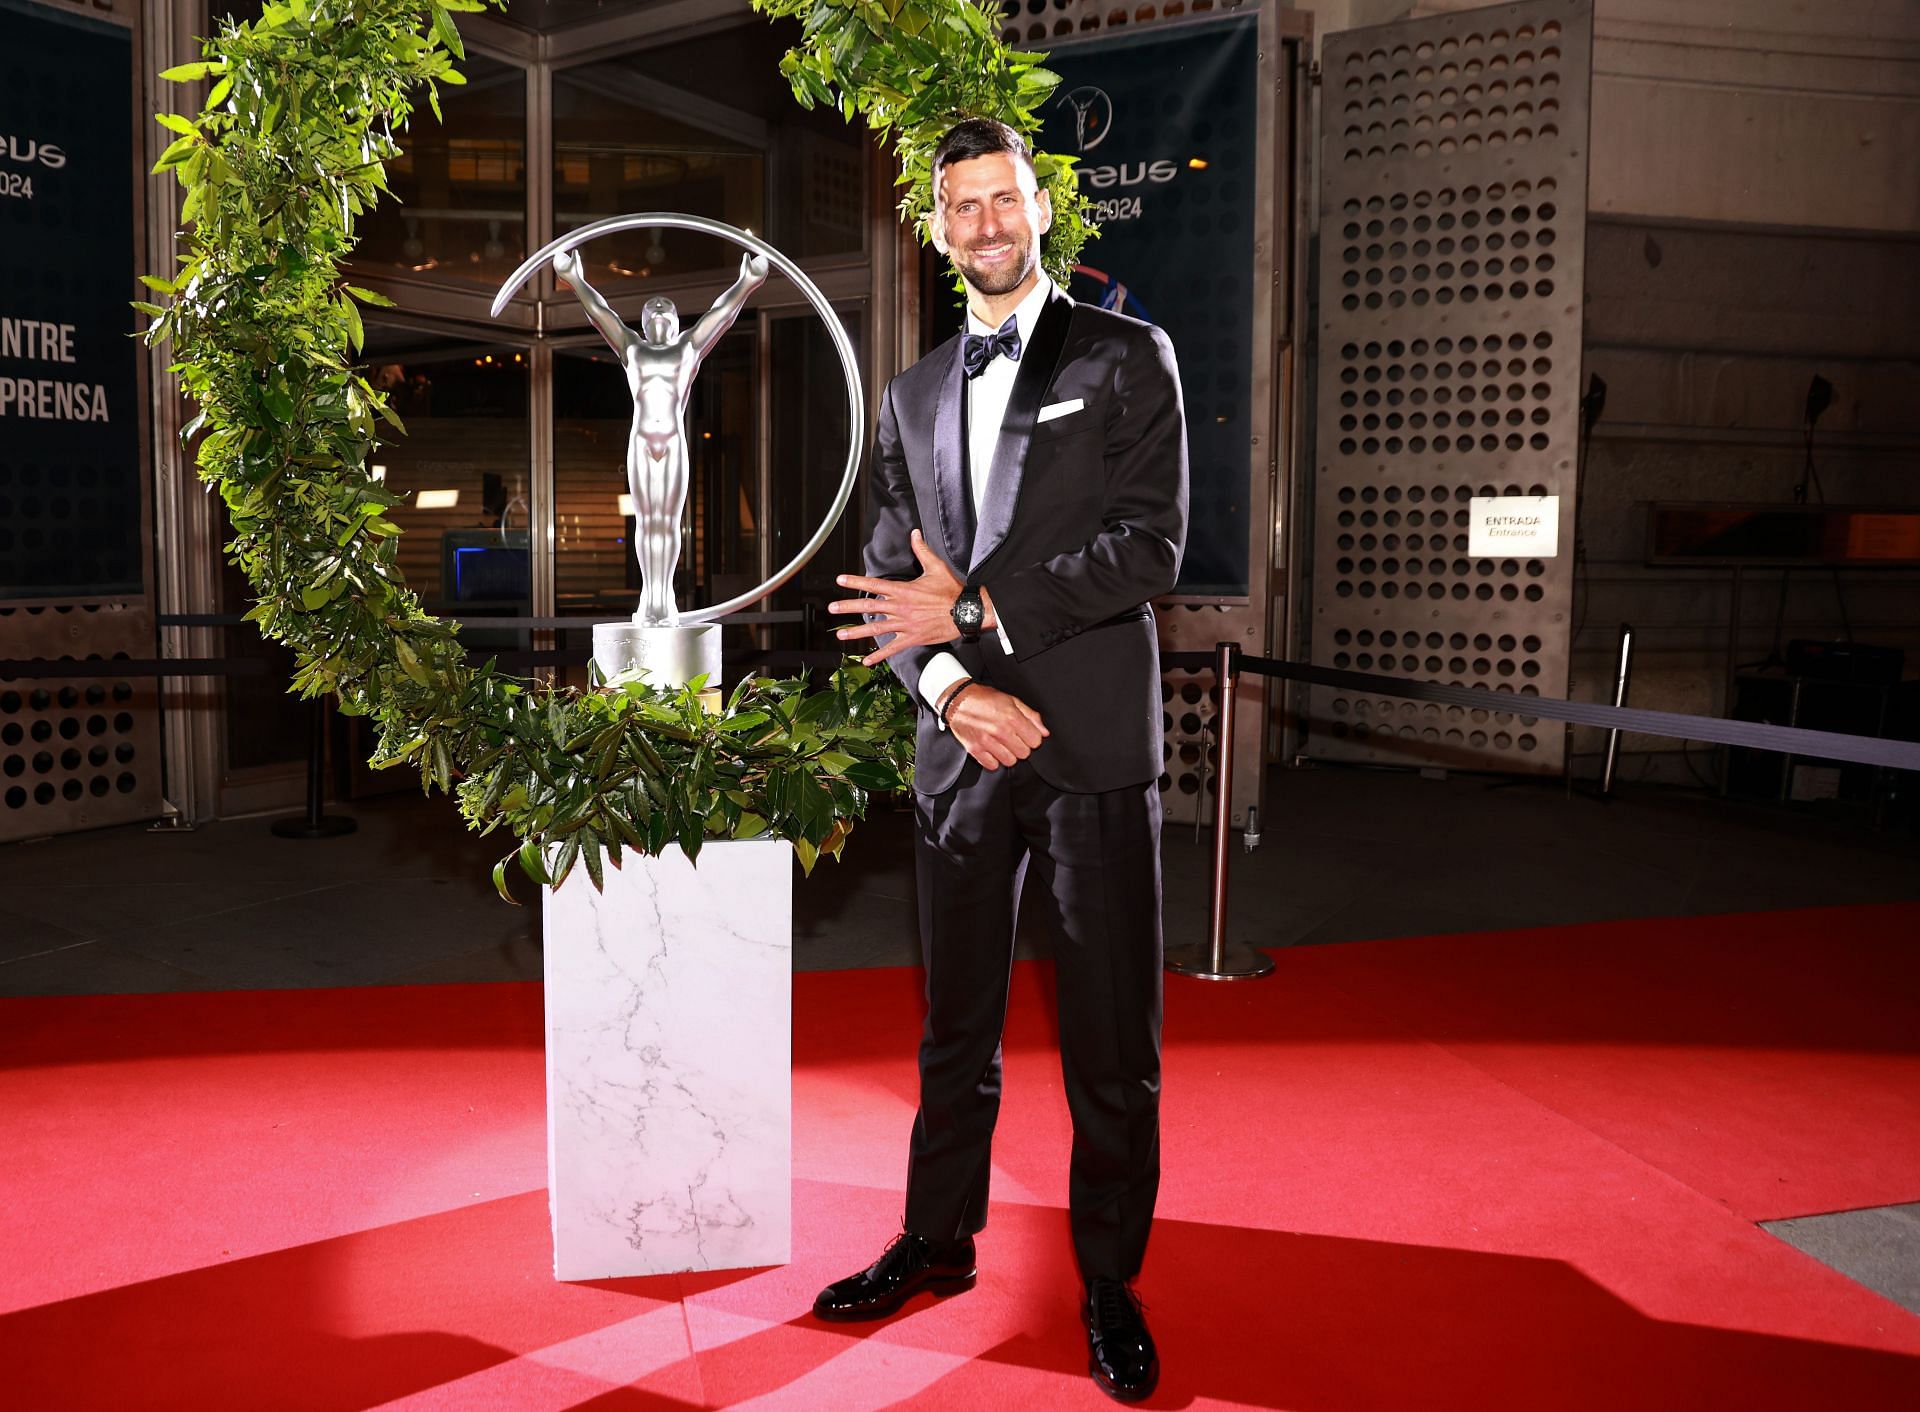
x: 976, y: 137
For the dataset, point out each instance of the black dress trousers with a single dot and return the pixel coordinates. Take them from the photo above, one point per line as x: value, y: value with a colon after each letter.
x: 1096, y: 858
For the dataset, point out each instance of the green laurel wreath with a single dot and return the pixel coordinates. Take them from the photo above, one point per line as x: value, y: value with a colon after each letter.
x: 287, y: 153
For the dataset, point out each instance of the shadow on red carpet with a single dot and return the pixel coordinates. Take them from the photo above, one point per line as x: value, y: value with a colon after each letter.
x: 1264, y: 1319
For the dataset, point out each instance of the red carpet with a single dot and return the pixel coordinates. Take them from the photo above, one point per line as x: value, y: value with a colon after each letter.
x: 1516, y: 1170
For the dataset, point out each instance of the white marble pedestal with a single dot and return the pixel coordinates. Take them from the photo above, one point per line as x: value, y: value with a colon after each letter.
x: 669, y: 1063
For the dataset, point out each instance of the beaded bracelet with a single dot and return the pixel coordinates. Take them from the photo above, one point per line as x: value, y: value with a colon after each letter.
x: 953, y: 696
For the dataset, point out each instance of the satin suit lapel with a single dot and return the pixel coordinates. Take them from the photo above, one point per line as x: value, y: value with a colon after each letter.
x: 950, y: 459
x: 1038, y: 362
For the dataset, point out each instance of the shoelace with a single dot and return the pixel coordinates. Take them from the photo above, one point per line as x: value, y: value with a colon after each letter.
x: 898, y: 1252
x: 1117, y: 1308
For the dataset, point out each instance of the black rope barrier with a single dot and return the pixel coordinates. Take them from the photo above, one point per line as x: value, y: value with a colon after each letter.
x: 1754, y: 735
x: 41, y: 667
x: 234, y: 620
x: 45, y: 668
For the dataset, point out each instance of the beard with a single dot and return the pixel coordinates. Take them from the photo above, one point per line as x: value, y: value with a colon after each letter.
x: 997, y: 281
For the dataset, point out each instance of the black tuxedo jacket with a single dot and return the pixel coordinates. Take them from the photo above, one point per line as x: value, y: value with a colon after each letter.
x: 1084, y: 524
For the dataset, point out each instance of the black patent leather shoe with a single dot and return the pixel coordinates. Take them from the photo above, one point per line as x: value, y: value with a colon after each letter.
x: 1120, y: 1351
x: 910, y: 1264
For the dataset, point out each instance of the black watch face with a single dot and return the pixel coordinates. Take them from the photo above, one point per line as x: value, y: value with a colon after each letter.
x: 968, y: 612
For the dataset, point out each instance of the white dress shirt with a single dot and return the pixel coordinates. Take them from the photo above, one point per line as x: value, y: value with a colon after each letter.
x: 987, y: 397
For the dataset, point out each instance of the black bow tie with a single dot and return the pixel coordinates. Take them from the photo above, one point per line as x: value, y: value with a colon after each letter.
x: 980, y: 349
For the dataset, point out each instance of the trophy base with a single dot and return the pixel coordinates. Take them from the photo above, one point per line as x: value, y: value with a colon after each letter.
x: 662, y: 655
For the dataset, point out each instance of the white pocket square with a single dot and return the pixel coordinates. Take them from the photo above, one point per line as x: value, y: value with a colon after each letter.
x: 1061, y: 409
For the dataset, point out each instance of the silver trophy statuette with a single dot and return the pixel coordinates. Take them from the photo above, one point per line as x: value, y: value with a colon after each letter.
x: 661, y: 363
x: 659, y: 644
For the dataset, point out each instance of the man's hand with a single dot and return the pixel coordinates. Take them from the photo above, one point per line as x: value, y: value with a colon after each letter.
x: 919, y: 612
x: 567, y: 265
x: 996, y: 729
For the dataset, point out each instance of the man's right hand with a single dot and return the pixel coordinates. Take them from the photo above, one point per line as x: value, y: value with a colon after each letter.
x: 996, y: 729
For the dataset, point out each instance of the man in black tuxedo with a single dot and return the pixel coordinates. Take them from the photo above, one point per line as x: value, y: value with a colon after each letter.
x: 1029, y: 500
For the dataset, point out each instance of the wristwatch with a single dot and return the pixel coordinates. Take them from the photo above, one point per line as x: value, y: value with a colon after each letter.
x: 968, y: 614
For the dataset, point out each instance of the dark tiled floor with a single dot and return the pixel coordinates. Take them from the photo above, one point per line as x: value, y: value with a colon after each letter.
x: 1347, y: 855
x: 1879, y: 1247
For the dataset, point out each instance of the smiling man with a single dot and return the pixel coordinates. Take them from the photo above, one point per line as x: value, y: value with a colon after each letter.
x: 1028, y: 501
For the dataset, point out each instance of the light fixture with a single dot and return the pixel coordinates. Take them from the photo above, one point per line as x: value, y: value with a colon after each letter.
x: 626, y: 506
x: 1199, y: 164
x: 380, y: 473
x: 437, y: 499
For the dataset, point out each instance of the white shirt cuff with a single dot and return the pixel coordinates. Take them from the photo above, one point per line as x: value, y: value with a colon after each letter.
x: 940, y: 672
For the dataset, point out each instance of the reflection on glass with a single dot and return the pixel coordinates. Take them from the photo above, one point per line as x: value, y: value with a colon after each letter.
x: 653, y: 131
x: 266, y: 723
x: 462, y: 468
x: 809, y: 453
x: 595, y: 573
x: 460, y: 216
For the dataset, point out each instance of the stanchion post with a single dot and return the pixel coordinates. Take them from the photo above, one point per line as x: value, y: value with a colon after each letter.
x: 1216, y: 959
x: 315, y: 823
x: 1619, y: 699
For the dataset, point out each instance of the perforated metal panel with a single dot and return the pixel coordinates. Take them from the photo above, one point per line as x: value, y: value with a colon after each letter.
x: 1032, y: 23
x: 1453, y: 187
x: 85, y: 752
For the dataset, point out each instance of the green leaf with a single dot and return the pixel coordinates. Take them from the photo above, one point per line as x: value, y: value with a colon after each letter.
x: 625, y: 828
x: 568, y: 856
x: 872, y: 774
x: 173, y: 122
x: 445, y: 32
x: 590, y: 851
x: 368, y: 296
x: 500, y: 880
x: 191, y: 73
x: 356, y: 331
x: 176, y: 153
x: 532, y: 863
x: 410, y: 662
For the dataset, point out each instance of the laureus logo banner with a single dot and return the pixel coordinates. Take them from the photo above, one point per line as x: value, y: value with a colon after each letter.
x: 27, y: 151
x: 1092, y: 116
x: 1165, y: 125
